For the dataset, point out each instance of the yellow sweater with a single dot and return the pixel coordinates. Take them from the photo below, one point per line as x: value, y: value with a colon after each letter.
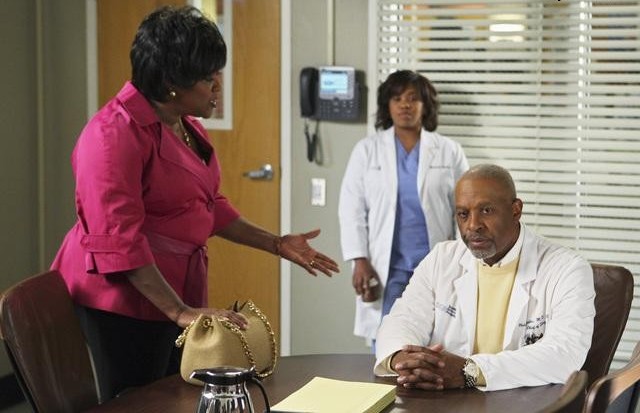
x: 494, y: 291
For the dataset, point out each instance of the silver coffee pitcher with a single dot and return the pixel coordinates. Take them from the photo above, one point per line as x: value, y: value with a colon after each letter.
x: 225, y: 390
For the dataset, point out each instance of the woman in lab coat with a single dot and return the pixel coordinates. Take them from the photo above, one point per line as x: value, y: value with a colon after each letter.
x: 396, y: 199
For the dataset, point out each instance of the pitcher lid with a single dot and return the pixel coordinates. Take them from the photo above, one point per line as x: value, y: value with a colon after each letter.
x: 223, y: 375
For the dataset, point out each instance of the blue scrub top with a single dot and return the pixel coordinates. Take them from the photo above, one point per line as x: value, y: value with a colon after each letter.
x: 410, y: 234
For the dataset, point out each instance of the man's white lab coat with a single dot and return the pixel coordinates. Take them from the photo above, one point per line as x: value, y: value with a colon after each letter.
x: 549, y: 321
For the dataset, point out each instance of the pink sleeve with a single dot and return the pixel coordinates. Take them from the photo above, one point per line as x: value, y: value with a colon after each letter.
x: 225, y: 213
x: 108, y: 164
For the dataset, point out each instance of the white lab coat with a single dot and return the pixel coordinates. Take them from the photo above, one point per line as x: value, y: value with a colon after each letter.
x: 368, y: 204
x: 552, y: 297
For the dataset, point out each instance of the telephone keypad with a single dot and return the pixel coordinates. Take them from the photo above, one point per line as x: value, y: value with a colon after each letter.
x: 337, y: 109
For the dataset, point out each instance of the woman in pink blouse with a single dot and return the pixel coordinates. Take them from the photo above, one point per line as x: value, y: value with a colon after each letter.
x: 147, y: 200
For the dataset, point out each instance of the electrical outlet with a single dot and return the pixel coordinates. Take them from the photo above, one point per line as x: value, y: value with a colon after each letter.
x: 318, y: 191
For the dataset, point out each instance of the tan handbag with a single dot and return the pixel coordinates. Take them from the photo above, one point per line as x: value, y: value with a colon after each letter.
x: 210, y: 341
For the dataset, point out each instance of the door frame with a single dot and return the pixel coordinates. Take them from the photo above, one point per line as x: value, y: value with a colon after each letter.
x: 285, y: 171
x: 285, y: 142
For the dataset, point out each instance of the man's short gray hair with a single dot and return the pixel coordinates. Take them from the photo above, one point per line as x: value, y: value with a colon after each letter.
x: 495, y: 173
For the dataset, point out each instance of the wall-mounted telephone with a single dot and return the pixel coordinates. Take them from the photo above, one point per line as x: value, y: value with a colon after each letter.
x: 329, y: 93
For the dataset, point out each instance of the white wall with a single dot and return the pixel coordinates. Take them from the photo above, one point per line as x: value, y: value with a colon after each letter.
x: 322, y: 309
x: 42, y: 109
x: 18, y: 217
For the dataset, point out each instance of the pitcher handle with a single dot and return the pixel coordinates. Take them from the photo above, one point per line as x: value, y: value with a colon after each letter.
x: 264, y: 393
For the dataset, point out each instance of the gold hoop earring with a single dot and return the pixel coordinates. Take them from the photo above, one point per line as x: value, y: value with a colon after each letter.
x: 172, y: 93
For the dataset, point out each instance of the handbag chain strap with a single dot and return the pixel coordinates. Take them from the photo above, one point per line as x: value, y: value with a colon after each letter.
x: 245, y: 345
x: 206, y: 323
x: 183, y: 336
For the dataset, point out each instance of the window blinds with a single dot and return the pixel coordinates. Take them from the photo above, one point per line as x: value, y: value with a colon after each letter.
x: 549, y: 89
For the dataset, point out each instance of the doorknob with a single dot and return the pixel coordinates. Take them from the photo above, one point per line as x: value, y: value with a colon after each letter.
x: 265, y: 173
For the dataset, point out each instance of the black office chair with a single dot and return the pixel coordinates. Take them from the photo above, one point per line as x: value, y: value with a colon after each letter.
x: 46, y: 346
x: 617, y: 392
x: 614, y: 293
x: 573, y: 394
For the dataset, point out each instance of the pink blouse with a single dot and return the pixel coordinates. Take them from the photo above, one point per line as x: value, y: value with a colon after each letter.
x: 142, y: 197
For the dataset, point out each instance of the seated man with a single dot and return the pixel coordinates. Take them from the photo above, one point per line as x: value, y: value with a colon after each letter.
x: 498, y: 309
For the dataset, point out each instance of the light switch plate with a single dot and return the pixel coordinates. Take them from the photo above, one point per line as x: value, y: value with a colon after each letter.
x: 318, y: 191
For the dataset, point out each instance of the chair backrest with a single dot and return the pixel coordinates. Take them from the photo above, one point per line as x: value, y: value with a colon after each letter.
x: 618, y: 390
x: 46, y: 345
x: 573, y: 394
x: 614, y: 293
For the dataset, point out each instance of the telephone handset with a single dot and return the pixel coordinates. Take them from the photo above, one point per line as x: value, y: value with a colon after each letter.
x: 308, y: 91
x: 329, y: 93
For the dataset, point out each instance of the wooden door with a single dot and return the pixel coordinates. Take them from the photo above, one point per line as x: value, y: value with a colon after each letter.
x: 235, y: 272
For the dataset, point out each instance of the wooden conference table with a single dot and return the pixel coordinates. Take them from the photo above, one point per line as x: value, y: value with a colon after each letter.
x: 172, y: 394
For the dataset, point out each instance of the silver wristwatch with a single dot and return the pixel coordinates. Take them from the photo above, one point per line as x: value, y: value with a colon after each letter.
x: 471, y: 372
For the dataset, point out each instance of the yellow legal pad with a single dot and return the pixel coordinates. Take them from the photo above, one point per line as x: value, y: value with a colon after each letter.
x: 322, y: 395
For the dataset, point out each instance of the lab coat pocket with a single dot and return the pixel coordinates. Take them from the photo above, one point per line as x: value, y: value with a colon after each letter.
x: 374, y: 183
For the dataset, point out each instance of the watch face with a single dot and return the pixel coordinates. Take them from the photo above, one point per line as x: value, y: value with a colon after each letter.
x: 471, y: 369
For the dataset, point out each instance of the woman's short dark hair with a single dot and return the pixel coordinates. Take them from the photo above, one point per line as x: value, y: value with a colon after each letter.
x: 175, y: 47
x: 395, y: 85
